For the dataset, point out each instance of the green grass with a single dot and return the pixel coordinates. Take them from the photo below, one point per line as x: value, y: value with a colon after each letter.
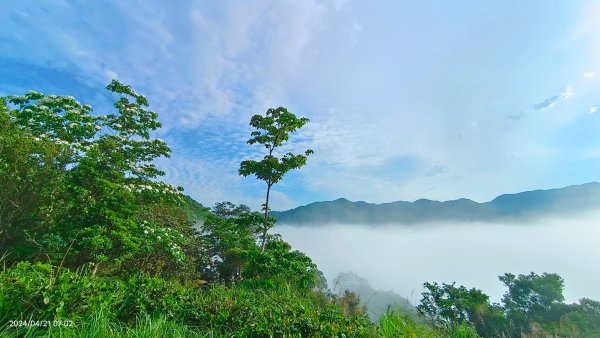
x: 392, y: 324
x: 98, y: 326
x: 143, y: 306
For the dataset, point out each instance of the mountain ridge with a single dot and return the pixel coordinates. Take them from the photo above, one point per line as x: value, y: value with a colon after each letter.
x: 514, y: 206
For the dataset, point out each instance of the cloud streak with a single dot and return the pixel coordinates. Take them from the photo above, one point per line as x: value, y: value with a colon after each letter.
x: 552, y: 101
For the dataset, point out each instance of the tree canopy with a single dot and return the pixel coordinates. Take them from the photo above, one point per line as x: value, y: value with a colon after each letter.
x: 83, y: 185
x: 533, y: 305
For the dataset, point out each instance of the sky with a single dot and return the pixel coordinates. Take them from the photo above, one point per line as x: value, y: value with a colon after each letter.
x: 406, y: 100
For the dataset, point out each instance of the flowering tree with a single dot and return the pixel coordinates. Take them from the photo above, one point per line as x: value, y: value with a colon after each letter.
x: 105, y: 181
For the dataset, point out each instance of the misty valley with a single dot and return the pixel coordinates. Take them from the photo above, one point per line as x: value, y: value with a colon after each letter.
x: 474, y: 255
x: 539, y: 231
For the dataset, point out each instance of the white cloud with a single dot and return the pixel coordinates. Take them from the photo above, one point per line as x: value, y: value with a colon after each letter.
x: 589, y: 75
x: 500, y: 249
x: 587, y: 30
x: 206, y: 182
x: 593, y: 109
x: 279, y: 201
x: 110, y: 75
x: 214, y: 60
x: 592, y: 153
x: 376, y: 84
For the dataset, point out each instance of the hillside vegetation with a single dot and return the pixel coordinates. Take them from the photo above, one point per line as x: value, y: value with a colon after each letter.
x: 94, y: 244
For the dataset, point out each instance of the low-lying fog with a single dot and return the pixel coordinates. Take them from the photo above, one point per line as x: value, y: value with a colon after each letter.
x: 474, y: 255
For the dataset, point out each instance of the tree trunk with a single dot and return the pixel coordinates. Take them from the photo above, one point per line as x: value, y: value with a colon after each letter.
x: 3, y: 236
x: 95, y: 269
x: 266, y: 220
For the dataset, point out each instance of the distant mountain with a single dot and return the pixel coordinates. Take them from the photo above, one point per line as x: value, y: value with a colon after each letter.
x: 520, y: 206
x: 195, y: 211
x: 376, y: 301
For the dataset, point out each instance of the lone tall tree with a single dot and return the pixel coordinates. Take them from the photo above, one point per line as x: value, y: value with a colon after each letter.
x: 272, y: 130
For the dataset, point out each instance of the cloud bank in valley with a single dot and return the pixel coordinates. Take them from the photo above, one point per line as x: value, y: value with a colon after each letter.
x: 474, y: 255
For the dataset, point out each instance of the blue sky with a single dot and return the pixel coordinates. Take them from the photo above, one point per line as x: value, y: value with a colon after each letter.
x: 407, y: 100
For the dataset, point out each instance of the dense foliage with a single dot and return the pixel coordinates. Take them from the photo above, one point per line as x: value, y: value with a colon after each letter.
x: 89, y: 234
x: 83, y: 189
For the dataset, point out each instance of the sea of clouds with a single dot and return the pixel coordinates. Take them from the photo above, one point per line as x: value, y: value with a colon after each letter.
x: 401, y: 258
